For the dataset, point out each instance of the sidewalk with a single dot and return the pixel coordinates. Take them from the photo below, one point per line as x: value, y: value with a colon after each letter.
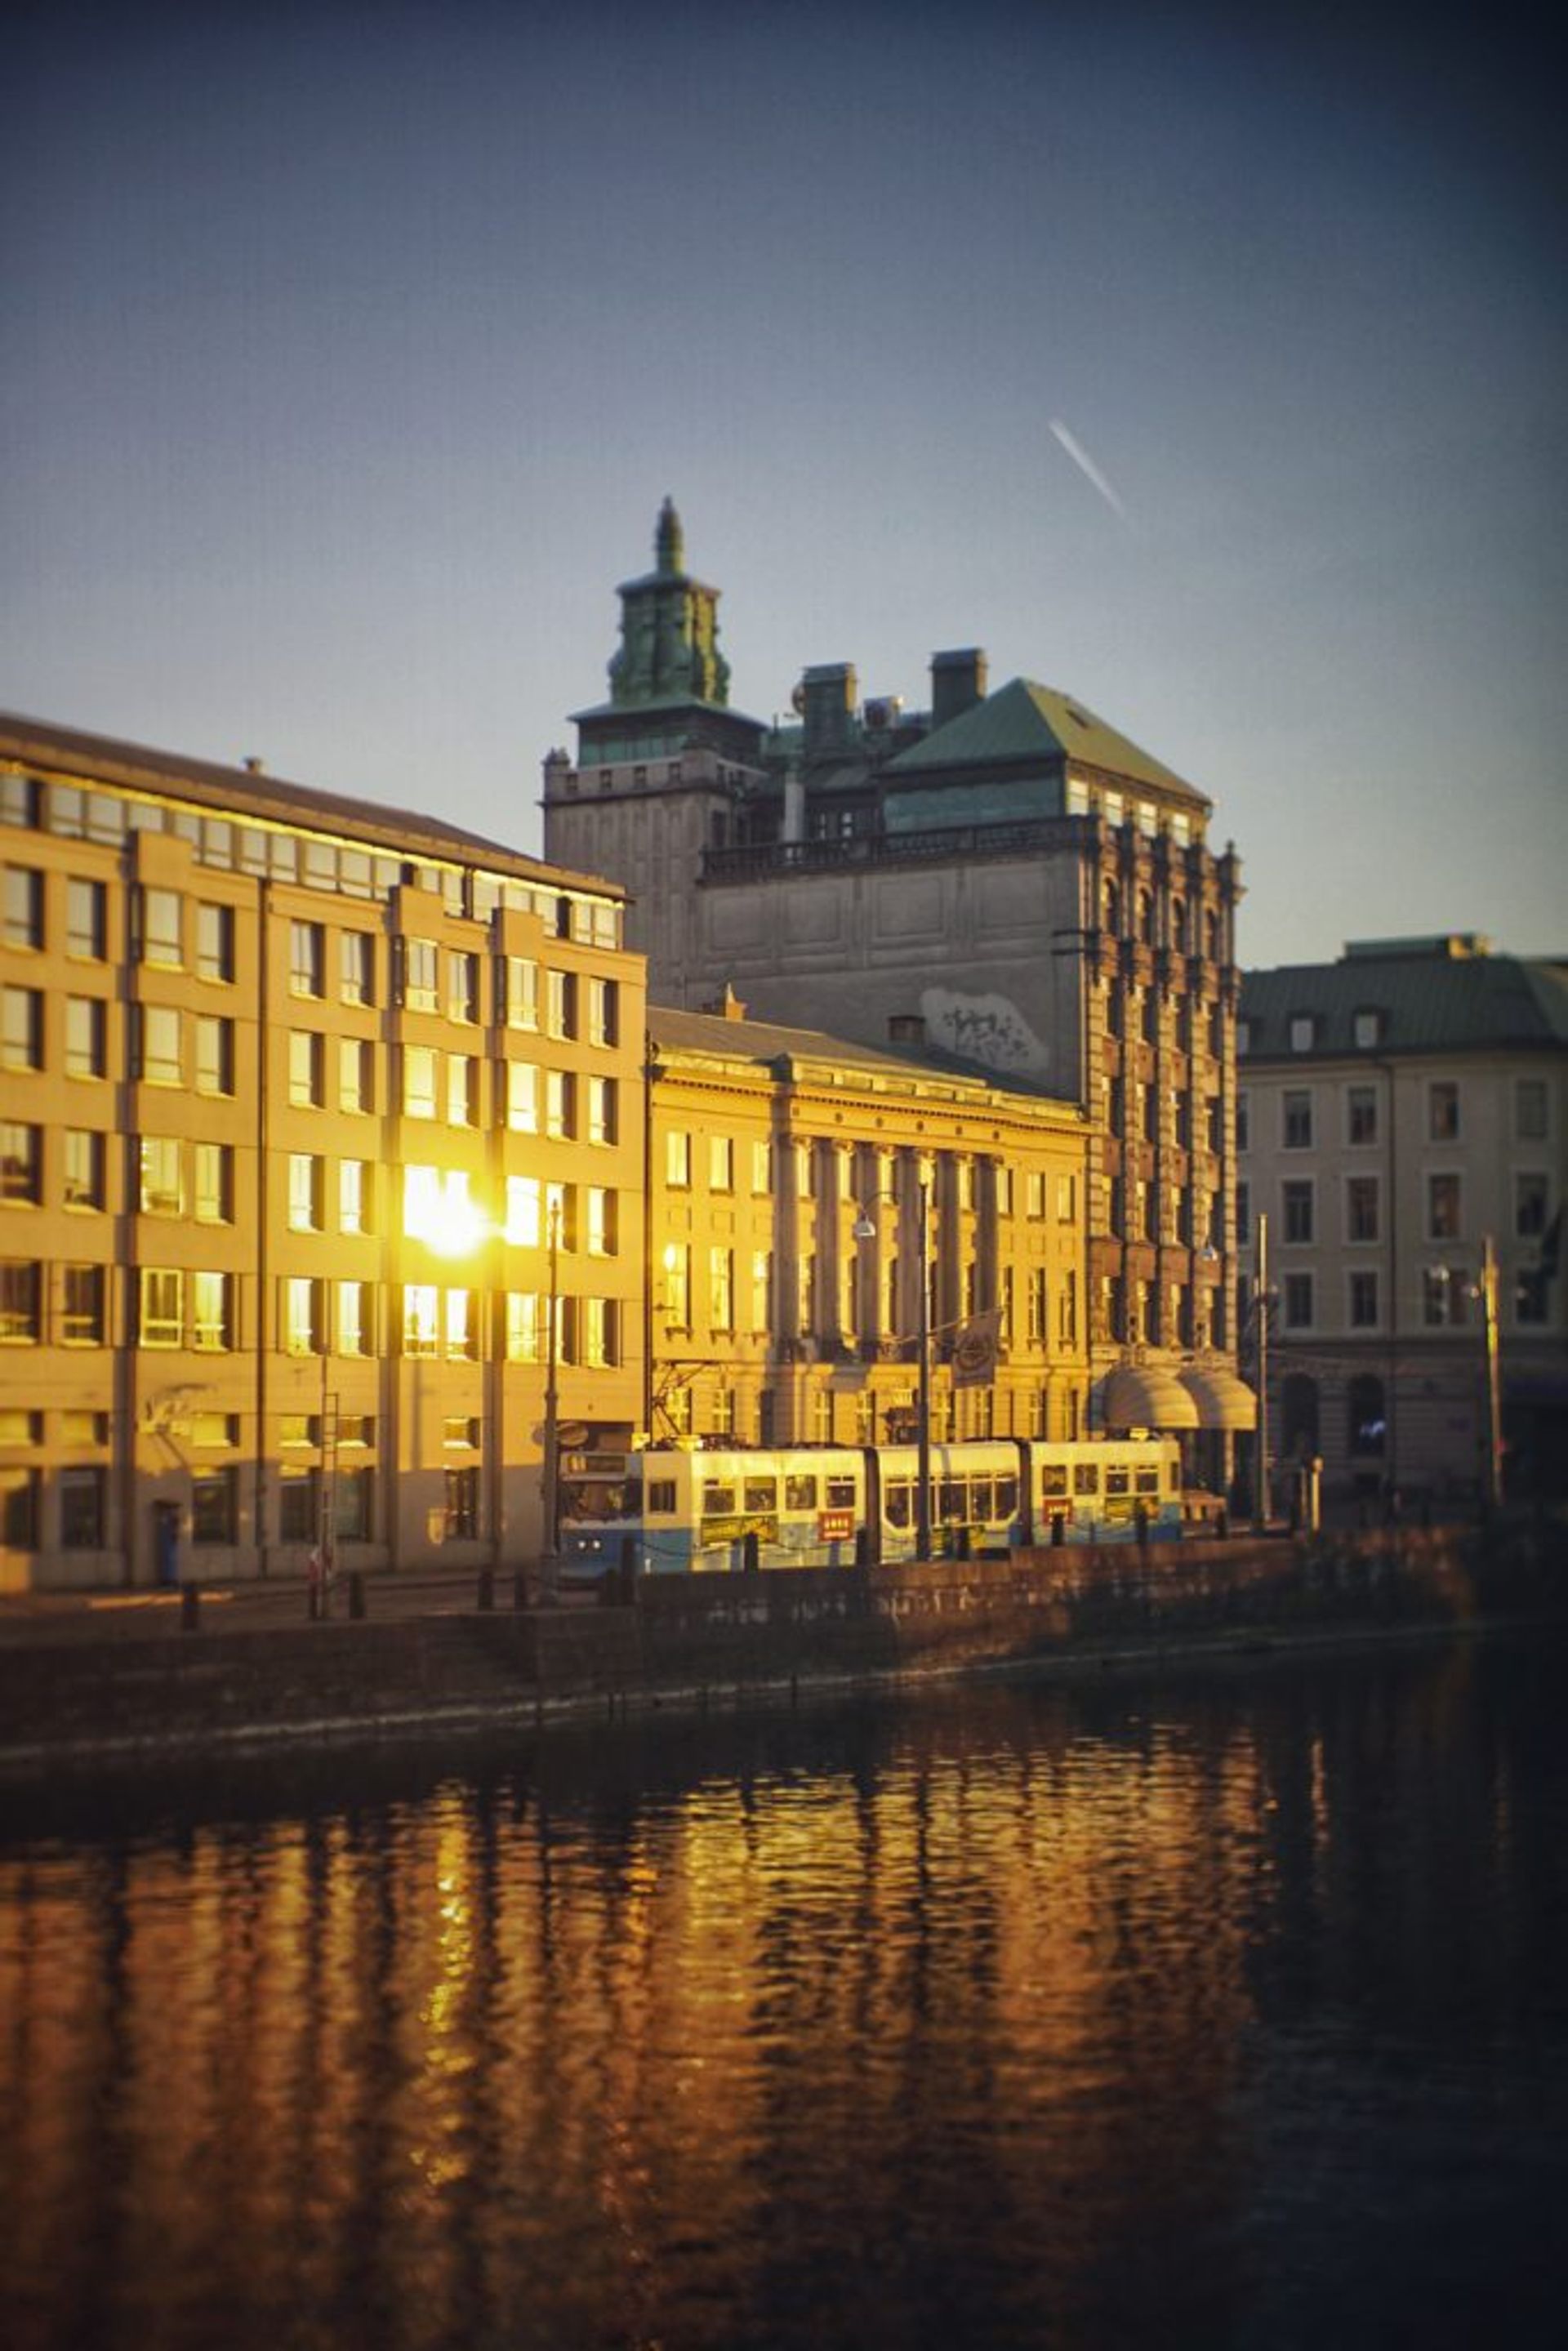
x: 49, y: 1618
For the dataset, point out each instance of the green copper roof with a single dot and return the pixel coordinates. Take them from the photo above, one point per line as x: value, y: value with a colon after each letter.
x: 1025, y: 722
x: 1429, y: 1000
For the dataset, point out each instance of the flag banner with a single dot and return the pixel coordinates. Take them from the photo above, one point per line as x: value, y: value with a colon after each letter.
x: 975, y: 1346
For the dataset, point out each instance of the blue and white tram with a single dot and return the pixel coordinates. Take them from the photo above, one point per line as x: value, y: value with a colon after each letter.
x: 679, y: 1510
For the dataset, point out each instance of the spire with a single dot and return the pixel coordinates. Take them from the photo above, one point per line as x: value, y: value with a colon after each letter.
x: 669, y: 540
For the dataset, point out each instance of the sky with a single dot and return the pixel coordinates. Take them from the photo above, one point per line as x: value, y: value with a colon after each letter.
x: 1209, y: 368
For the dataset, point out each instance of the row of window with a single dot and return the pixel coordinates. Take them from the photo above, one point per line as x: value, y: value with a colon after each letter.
x: 1129, y: 1013
x: 1167, y: 1212
x: 28, y: 803
x: 731, y: 1164
x: 82, y: 1498
x: 1158, y: 921
x: 1443, y: 1201
x: 181, y: 1307
x: 1363, y: 1114
x: 1446, y: 1299
x: 1135, y: 1312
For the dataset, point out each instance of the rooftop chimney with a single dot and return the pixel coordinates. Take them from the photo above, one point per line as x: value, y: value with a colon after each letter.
x: 827, y: 703
x: 958, y: 683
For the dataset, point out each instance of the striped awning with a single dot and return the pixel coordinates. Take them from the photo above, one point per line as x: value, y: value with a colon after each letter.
x: 1144, y: 1396
x: 1222, y: 1400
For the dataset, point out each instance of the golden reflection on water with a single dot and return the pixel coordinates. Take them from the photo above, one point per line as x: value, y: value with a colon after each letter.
x: 968, y: 1992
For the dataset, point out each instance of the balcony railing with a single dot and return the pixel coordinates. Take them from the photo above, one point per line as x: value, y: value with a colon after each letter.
x: 768, y: 860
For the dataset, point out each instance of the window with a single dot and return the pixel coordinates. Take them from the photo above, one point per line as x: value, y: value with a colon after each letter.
x: 1443, y: 1208
x: 1066, y: 1310
x: 81, y: 1509
x: 420, y: 969
x: 353, y: 1319
x: 161, y: 1187
x: 306, y: 1186
x: 307, y: 1068
x: 213, y: 1514
x: 298, y: 1505
x: 1034, y: 1193
x: 761, y: 1167
x: 1036, y: 1325
x: 215, y: 1055
x: 1297, y: 1298
x: 677, y: 1266
x: 1303, y: 1029
x: 560, y: 1003
x: 215, y: 942
x: 212, y: 1312
x: 85, y: 1160
x: 601, y: 1110
x: 1363, y: 1301
x: 1243, y: 1214
x: 1443, y: 1110
x: 720, y: 1163
x: 22, y: 1029
x: 601, y: 1335
x: 462, y: 1503
x: 87, y: 921
x: 212, y: 1183
x: 677, y: 1161
x: 1366, y: 1028
x: 356, y: 967
x: 559, y: 1103
x: 161, y: 1315
x: 1529, y: 1206
x: 524, y: 1211
x: 420, y: 1318
x: 307, y: 960
x: 20, y: 801
x: 21, y: 1303
x: 354, y: 1195
x: 463, y: 989
x: 1066, y: 1199
x: 302, y: 1305
x: 525, y: 1328
x: 1361, y: 1209
x: 418, y: 1081
x: 22, y: 907
x: 1361, y: 1116
x: 87, y: 1037
x: 1530, y: 1109
x: 19, y: 1491
x: 355, y: 1075
x: 519, y: 989
x: 462, y: 1090
x: 721, y: 1289
x: 1367, y: 1417
x: 599, y: 1219
x: 462, y: 1341
x: 161, y: 928
x: 156, y: 1040
x: 761, y: 1288
x: 1296, y: 1107
x: 21, y: 1161
x: 83, y: 1306
x: 603, y: 1012
x: 522, y: 1097
x: 1443, y: 1297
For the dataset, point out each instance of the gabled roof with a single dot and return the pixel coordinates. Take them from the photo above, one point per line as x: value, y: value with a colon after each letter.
x: 1025, y: 722
x: 1428, y: 1001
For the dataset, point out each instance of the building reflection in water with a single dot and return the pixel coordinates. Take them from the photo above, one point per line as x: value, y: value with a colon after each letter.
x: 1013, y: 2012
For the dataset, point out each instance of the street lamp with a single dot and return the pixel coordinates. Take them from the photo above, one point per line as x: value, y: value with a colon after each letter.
x: 1260, y: 1329
x: 549, y: 1562
x: 864, y: 1229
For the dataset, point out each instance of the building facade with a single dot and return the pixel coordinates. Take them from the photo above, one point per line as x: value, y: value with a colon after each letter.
x: 308, y: 1112
x: 1402, y: 1110
x: 1003, y: 873
x: 801, y: 1188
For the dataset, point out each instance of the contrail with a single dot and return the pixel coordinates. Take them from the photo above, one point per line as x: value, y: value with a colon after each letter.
x: 1087, y: 467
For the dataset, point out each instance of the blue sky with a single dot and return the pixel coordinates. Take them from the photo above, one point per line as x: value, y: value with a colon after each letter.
x: 350, y: 350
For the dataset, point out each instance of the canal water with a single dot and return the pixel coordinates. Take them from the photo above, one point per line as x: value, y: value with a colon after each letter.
x: 1224, y: 2009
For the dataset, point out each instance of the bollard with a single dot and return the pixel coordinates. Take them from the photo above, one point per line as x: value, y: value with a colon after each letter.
x: 486, y: 1587
x: 750, y: 1552
x: 189, y: 1607
x: 1222, y: 1524
x: 1058, y: 1529
x: 863, y: 1546
x: 1140, y: 1525
x: 961, y: 1544
x: 356, y: 1591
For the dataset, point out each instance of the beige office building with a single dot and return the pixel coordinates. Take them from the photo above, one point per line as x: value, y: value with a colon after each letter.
x: 307, y: 1109
x: 798, y: 1185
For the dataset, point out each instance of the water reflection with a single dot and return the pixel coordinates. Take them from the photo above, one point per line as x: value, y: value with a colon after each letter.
x: 1217, y: 2012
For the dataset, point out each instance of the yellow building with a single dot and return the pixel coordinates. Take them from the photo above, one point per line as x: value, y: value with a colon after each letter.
x: 307, y: 1108
x: 796, y: 1184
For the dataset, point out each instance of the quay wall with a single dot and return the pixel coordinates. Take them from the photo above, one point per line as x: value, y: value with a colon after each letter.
x: 700, y: 1641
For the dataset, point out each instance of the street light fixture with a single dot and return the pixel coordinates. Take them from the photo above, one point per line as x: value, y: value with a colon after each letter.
x: 864, y: 1229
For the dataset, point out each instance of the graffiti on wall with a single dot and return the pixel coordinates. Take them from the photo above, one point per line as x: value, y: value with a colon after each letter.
x: 989, y: 1030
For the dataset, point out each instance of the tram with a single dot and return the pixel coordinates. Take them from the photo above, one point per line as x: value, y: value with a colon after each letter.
x: 686, y: 1510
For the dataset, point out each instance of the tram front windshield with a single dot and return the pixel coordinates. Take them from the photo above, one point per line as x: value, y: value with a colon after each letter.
x: 601, y: 1501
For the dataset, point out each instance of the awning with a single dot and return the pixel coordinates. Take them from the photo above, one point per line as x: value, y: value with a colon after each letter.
x: 1144, y: 1396
x: 1223, y: 1400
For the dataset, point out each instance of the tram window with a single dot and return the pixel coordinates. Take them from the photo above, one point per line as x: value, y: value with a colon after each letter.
x: 1086, y: 1477
x: 1006, y: 1503
x: 1148, y: 1480
x: 841, y: 1493
x: 662, y: 1496
x: 761, y: 1493
x: 1052, y: 1481
x: 953, y: 1499
x: 800, y: 1493
x: 982, y: 1504
x: 1118, y: 1479
x: 718, y: 1501
x: 896, y: 1502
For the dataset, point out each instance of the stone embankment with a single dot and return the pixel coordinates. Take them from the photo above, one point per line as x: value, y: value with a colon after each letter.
x: 701, y: 1641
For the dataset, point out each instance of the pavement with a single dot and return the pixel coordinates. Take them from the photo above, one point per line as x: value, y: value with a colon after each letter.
x: 265, y: 1604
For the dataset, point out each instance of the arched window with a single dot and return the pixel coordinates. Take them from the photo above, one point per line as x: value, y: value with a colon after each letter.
x: 1110, y: 915
x: 1146, y: 918
x: 1367, y: 1432
x: 1178, y: 926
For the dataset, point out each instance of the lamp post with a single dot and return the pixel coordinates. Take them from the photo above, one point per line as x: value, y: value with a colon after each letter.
x: 1484, y: 1288
x: 550, y: 1561
x: 864, y: 1229
x: 1261, y: 1327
